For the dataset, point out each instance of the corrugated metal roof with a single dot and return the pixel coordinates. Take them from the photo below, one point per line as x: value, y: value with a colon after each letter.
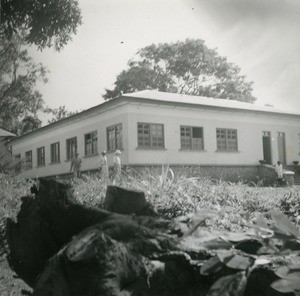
x: 4, y: 133
x: 203, y: 101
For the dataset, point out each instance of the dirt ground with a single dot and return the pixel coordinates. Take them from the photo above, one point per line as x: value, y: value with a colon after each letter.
x: 10, y: 285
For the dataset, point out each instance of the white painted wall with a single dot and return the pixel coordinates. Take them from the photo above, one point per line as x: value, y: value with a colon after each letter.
x: 249, y: 128
x: 98, y: 122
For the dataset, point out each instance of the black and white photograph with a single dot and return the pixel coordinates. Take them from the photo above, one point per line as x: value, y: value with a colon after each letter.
x: 149, y: 147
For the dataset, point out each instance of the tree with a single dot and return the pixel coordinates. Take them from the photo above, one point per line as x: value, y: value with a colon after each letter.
x: 58, y: 113
x: 187, y: 67
x: 47, y: 22
x: 6, y: 159
x: 20, y: 102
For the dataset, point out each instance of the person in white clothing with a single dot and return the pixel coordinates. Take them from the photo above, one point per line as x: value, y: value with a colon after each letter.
x: 279, y: 172
x: 117, y: 168
x: 104, y: 167
x: 76, y: 165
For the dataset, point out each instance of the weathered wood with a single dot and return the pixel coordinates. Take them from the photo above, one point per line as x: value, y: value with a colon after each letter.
x: 124, y: 201
x: 49, y: 220
x: 44, y: 224
x: 62, y: 248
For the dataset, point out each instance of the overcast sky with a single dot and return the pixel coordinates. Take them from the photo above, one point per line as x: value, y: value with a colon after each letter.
x: 261, y: 36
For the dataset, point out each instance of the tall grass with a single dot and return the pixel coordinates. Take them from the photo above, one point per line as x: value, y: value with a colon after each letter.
x: 171, y: 193
x: 174, y: 194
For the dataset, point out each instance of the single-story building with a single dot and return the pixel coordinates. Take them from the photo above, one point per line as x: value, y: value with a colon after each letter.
x: 153, y: 128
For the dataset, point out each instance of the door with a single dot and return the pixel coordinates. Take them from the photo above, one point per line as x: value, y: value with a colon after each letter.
x: 281, y: 147
x: 266, y: 139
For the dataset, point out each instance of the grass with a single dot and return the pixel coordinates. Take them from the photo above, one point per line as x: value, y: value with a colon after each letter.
x: 172, y: 194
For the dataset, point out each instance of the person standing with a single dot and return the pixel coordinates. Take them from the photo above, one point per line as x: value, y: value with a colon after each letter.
x: 104, y: 167
x: 76, y: 165
x: 117, y: 168
x: 279, y: 172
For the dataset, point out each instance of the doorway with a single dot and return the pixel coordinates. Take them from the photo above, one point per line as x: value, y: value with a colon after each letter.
x: 281, y: 147
x: 266, y: 139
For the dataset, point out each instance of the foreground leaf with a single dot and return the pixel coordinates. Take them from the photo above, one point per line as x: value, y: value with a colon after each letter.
x: 216, y: 244
x: 235, y: 261
x: 284, y: 225
x: 231, y: 285
x: 286, y: 285
x: 288, y: 272
x: 211, y: 266
x: 262, y: 261
x: 236, y: 237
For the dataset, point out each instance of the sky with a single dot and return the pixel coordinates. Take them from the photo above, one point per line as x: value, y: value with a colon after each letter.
x: 260, y: 36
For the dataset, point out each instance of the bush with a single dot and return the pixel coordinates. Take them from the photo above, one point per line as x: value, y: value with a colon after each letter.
x: 11, y: 191
x: 6, y: 160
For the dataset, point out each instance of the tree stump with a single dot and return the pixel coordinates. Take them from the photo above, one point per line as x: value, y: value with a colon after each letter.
x: 124, y: 201
x: 49, y: 220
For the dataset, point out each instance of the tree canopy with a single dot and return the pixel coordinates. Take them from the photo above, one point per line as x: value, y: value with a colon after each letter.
x: 45, y: 23
x: 186, y: 67
x: 20, y: 102
x: 48, y: 23
x: 58, y: 113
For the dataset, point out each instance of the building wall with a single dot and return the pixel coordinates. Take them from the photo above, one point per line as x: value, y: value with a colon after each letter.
x: 249, y: 129
x: 79, y: 128
x: 249, y: 132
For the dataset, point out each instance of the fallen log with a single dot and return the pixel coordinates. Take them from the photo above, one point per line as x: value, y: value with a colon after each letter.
x: 49, y: 220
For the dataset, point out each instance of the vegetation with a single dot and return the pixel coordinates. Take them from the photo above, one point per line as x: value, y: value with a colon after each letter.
x: 20, y: 102
x: 186, y: 67
x: 240, y: 216
x: 42, y: 23
x: 58, y: 113
x: 46, y: 23
x: 6, y: 160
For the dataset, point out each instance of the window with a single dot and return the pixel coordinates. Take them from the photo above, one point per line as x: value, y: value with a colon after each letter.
x: 71, y: 145
x: 191, y: 137
x: 40, y: 156
x: 18, y: 163
x: 114, y: 137
x: 150, y: 135
x: 28, y: 160
x: 227, y: 139
x: 91, y: 143
x: 55, y: 153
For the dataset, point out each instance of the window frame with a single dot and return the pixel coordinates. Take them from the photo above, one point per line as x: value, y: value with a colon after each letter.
x: 183, y: 145
x: 91, y: 145
x: 227, y: 139
x: 153, y: 139
x: 40, y: 157
x: 114, y: 142
x: 28, y: 164
x: 70, y: 153
x: 55, y: 153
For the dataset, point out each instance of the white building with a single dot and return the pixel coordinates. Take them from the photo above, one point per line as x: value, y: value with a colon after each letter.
x: 154, y: 128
